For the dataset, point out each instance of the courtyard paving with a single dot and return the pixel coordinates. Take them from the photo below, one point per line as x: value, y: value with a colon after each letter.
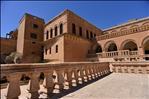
x: 113, y: 86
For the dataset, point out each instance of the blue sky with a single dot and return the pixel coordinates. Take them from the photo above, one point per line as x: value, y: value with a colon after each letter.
x: 103, y: 14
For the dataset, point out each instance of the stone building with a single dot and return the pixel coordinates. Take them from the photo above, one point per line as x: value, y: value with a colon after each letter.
x: 70, y: 38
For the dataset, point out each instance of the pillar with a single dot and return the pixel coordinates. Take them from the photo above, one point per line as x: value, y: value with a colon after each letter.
x: 14, y: 86
x: 34, y: 85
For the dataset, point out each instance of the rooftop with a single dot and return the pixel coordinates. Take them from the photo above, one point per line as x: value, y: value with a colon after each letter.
x: 127, y: 23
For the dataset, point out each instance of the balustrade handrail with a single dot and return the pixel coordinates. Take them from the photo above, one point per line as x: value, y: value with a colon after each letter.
x: 119, y: 53
x: 84, y: 70
x: 30, y: 67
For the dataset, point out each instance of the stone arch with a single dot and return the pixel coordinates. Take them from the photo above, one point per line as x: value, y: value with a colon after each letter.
x: 110, y: 46
x: 123, y: 29
x: 134, y: 28
x: 145, y: 45
x: 113, y: 31
x: 145, y: 26
x: 129, y: 44
x: 97, y: 48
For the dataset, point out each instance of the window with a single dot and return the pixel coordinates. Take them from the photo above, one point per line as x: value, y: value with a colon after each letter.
x: 33, y: 52
x: 56, y: 49
x: 80, y: 31
x: 94, y: 35
x: 61, y: 28
x: 87, y: 34
x: 56, y: 31
x: 49, y: 50
x: 33, y: 42
x: 91, y: 34
x: 51, y: 33
x: 46, y: 51
x: 33, y: 36
x: 73, y: 28
x: 35, y: 26
x: 47, y: 35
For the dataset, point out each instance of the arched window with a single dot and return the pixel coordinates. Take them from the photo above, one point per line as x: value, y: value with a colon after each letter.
x: 61, y: 28
x: 87, y: 34
x: 50, y: 50
x: 51, y: 33
x: 56, y: 49
x: 134, y: 28
x: 91, y: 35
x: 47, y: 35
x: 73, y: 28
x: 55, y: 30
x: 80, y: 31
x: 145, y: 26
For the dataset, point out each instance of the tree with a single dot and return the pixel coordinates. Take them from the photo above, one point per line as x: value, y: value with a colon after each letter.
x: 14, y: 57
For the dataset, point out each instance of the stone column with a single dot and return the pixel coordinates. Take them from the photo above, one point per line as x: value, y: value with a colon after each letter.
x: 48, y: 82
x: 14, y: 86
x: 34, y: 85
x: 60, y: 79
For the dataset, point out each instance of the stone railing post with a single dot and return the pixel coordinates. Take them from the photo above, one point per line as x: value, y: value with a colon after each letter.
x: 48, y: 81
x: 34, y: 85
x: 14, y: 86
x: 60, y: 78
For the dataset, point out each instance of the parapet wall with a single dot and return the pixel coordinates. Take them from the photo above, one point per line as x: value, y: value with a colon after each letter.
x: 7, y: 46
x: 131, y: 67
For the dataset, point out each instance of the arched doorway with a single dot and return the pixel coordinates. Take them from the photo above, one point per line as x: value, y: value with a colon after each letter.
x: 98, y: 49
x: 112, y: 47
x: 129, y: 45
x: 146, y: 47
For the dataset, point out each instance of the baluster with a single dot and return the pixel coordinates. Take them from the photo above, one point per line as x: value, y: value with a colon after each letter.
x: 14, y: 86
x: 34, y: 85
x: 82, y: 74
x: 94, y: 71
x: 76, y: 76
x: 90, y: 73
x: 86, y: 73
x: 48, y: 81
x: 60, y: 78
x: 69, y: 77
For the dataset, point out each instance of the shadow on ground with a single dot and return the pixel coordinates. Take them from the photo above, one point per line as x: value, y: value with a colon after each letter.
x: 74, y: 88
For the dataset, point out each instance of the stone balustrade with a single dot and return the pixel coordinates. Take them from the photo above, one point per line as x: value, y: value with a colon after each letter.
x: 121, y: 33
x: 131, y: 67
x: 120, y: 53
x: 55, y: 74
